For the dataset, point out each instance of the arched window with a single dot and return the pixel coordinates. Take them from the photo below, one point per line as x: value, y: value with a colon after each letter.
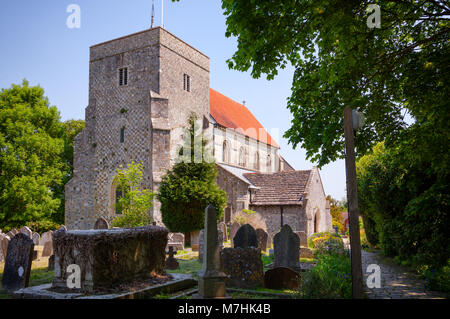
x: 269, y: 163
x: 242, y: 161
x: 256, y: 164
x: 225, y: 157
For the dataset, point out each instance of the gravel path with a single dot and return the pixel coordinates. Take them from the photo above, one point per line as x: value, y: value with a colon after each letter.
x: 396, y: 281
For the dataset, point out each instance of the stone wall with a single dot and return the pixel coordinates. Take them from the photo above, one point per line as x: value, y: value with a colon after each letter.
x: 315, y: 205
x: 236, y: 189
x: 152, y: 108
x: 293, y: 215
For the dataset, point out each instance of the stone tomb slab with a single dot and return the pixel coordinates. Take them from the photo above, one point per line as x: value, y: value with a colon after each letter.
x: 177, y: 282
x: 109, y: 258
x: 18, y: 261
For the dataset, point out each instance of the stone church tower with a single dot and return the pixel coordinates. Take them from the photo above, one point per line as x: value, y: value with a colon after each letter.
x: 142, y: 89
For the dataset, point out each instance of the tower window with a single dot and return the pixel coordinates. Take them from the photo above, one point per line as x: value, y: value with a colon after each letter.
x: 186, y: 82
x: 123, y: 76
x: 122, y: 135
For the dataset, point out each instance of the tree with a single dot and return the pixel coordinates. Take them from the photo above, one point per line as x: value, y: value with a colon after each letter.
x: 189, y: 187
x: 31, y: 162
x: 135, y: 202
x: 404, y: 205
x: 336, y: 213
x: 339, y: 61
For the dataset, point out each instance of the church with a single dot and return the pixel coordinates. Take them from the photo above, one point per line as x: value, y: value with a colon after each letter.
x: 142, y: 89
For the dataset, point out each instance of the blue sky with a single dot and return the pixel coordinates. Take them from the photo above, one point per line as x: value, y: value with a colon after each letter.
x: 36, y: 44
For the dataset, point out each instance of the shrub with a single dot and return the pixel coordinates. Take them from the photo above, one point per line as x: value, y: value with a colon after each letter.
x: 330, y: 278
x: 326, y: 242
x: 190, y: 186
x: 135, y: 202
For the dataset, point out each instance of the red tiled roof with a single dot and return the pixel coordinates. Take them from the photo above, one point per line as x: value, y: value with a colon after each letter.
x: 283, y: 188
x: 231, y: 114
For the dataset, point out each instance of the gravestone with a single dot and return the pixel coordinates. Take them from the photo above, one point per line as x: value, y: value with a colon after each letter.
x: 281, y: 278
x: 64, y: 228
x: 47, y: 236
x: 14, y: 232
x: 286, y: 249
x: 211, y: 280
x: 175, y: 240
x: 4, y: 240
x: 171, y: 262
x: 233, y: 230
x: 10, y: 234
x: 201, y: 243
x: 223, y: 228
x: 48, y: 249
x: 262, y: 238
x: 303, y: 238
x: 16, y: 274
x: 27, y: 231
x: 101, y: 223
x: 243, y: 267
x: 306, y: 253
x: 245, y: 237
x: 36, y: 238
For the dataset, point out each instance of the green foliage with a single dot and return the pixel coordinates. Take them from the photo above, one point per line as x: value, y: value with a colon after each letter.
x: 32, y: 164
x: 135, y: 202
x: 267, y: 259
x: 336, y: 214
x: 339, y: 61
x: 189, y: 187
x: 330, y: 278
x: 326, y: 242
x: 405, y: 205
x: 438, y: 279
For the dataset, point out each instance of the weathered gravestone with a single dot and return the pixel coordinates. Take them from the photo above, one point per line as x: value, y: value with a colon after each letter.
x: 281, y: 278
x: 233, y: 230
x: 171, y: 262
x: 245, y: 237
x: 303, y: 238
x: 27, y: 231
x: 201, y: 242
x: 262, y: 238
x: 223, y: 228
x: 211, y: 280
x: 48, y: 249
x: 175, y: 240
x: 243, y: 267
x: 306, y: 253
x: 101, y: 223
x: 10, y: 234
x: 36, y: 238
x: 16, y: 274
x: 4, y: 240
x: 47, y: 242
x: 14, y: 232
x: 286, y: 249
x: 109, y: 258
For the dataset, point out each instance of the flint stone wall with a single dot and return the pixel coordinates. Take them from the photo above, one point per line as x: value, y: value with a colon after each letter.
x: 109, y: 257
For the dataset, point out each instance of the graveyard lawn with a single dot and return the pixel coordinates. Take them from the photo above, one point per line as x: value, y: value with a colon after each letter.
x: 39, y: 275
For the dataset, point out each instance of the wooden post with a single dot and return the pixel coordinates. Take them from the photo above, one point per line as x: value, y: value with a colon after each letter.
x: 352, y: 198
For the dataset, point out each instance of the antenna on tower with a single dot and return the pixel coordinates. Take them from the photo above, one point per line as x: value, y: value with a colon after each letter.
x: 153, y: 14
x: 162, y: 13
